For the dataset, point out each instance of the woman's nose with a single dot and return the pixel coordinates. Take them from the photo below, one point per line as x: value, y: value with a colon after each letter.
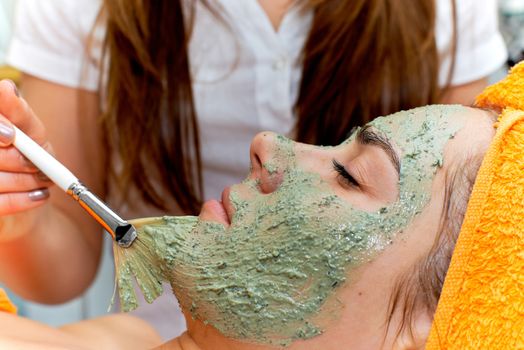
x: 266, y: 164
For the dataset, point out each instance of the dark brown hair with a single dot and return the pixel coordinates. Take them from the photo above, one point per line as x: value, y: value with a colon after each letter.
x: 150, y: 116
x: 363, y: 58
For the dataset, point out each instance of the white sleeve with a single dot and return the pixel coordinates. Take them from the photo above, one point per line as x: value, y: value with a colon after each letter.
x: 480, y: 47
x: 50, y: 41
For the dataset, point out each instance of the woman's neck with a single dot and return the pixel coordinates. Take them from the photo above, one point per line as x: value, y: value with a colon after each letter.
x: 276, y: 10
x: 183, y: 342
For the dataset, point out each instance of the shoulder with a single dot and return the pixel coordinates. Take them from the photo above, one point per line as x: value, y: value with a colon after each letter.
x: 77, y: 15
x: 480, y: 48
x: 480, y: 14
x: 50, y: 38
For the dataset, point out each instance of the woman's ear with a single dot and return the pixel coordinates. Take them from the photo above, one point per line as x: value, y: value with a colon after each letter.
x: 414, y: 339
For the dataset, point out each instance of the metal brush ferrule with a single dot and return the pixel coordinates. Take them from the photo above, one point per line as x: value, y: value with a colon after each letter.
x: 121, y: 231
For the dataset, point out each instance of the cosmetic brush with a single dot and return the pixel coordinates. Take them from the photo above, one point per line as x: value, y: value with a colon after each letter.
x: 132, y: 245
x: 122, y: 232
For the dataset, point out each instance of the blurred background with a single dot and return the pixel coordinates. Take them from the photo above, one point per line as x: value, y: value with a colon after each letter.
x: 6, y: 14
x: 512, y: 27
x: 97, y: 299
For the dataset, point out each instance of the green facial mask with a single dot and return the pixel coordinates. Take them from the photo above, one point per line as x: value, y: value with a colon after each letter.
x: 266, y: 277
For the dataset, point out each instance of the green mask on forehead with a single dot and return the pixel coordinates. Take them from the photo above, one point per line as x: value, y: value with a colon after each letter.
x: 265, y: 278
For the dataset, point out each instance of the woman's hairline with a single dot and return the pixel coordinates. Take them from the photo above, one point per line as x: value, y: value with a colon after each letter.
x: 459, y: 180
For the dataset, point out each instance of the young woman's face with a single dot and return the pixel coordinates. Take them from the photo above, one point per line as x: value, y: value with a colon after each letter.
x: 297, y: 247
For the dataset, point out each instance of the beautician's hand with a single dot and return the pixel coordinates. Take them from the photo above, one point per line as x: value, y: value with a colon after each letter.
x: 48, y: 241
x: 22, y: 185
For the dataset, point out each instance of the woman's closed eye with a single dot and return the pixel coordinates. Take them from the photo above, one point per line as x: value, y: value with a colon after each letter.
x: 344, y: 175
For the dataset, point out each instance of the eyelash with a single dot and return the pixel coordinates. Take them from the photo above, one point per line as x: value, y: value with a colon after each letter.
x: 342, y: 172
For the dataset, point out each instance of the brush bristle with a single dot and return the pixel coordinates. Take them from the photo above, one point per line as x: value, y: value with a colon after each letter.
x: 147, y: 261
x: 137, y: 263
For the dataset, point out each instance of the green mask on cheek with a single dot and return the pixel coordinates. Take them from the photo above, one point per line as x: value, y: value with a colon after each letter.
x: 266, y: 277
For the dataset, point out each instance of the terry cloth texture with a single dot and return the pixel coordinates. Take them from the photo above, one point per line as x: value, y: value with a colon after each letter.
x: 482, y: 301
x: 5, y: 304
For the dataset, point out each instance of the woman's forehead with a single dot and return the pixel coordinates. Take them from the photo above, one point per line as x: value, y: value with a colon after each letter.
x: 422, y: 120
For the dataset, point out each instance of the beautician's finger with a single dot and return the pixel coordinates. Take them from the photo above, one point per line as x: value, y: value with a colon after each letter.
x: 22, y: 182
x: 7, y: 134
x: 12, y: 203
x: 16, y: 109
x: 12, y: 160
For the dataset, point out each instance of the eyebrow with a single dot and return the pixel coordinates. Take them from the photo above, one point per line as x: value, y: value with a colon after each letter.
x: 366, y: 136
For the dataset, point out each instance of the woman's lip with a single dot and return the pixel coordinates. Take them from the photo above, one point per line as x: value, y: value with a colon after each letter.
x: 226, y: 203
x: 219, y: 211
x: 213, y: 210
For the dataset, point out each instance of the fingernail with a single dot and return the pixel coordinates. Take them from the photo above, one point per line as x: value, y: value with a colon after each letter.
x: 38, y: 195
x: 15, y: 88
x: 7, y: 133
x: 42, y: 177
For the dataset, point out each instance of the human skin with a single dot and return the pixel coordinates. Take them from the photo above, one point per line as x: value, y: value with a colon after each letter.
x: 354, y: 317
x: 54, y: 233
x: 120, y: 331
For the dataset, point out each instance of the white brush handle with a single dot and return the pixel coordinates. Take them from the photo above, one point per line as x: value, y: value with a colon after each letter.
x: 121, y: 231
x: 53, y: 169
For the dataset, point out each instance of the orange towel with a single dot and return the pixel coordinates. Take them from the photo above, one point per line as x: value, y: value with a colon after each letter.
x: 506, y: 93
x: 482, y: 301
x: 5, y: 304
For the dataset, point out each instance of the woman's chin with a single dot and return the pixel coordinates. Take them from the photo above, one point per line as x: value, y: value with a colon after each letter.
x: 213, y: 210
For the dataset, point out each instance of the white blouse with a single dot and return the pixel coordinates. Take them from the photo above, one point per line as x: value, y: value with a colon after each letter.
x: 245, y: 74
